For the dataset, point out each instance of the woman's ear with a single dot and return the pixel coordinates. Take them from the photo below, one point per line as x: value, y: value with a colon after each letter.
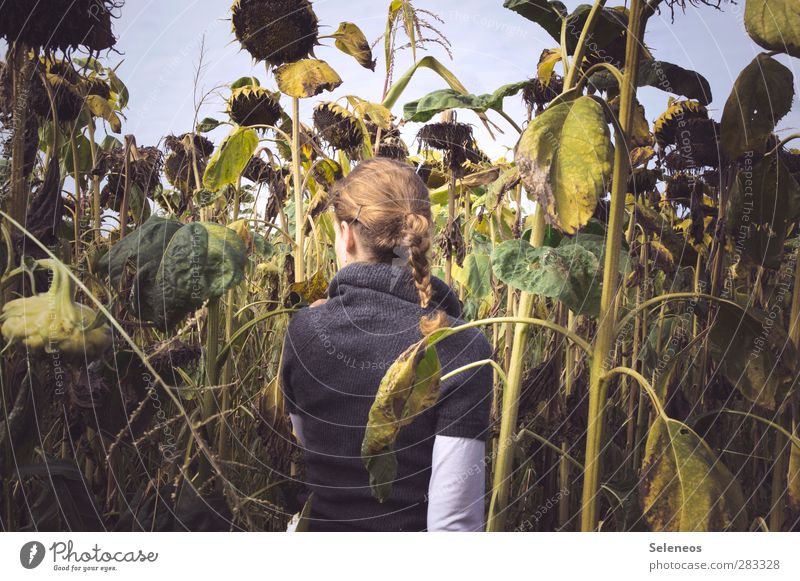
x: 349, y: 237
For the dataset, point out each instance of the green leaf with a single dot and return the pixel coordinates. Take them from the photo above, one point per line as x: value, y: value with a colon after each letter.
x: 245, y: 82
x: 84, y: 150
x: 567, y: 273
x: 761, y: 96
x: 422, y: 110
x: 764, y: 202
x: 208, y: 124
x: 119, y: 88
x: 350, y: 40
x: 684, y: 486
x: 175, y: 267
x: 142, y: 249
x: 668, y: 77
x: 596, y: 244
x: 548, y: 15
x: 753, y: 352
x: 565, y: 160
x: 478, y: 270
x: 409, y: 387
x: 774, y: 24
x: 230, y: 159
x: 202, y: 261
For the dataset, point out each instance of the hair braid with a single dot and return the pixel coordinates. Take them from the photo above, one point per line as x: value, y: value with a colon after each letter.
x: 417, y: 237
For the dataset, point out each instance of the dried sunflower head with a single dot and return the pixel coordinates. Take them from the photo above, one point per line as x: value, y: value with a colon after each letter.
x: 537, y: 94
x: 679, y: 187
x: 338, y: 128
x: 178, y: 165
x: 455, y: 140
x: 253, y: 105
x: 392, y: 147
x: 276, y: 31
x: 643, y: 180
x: 258, y: 171
x: 59, y: 24
x: 666, y: 127
x: 445, y: 136
x: 145, y: 172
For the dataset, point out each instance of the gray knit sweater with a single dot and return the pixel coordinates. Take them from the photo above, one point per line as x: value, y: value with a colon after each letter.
x: 334, y: 357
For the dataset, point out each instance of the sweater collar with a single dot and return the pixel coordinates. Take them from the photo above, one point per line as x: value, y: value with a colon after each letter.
x: 395, y: 280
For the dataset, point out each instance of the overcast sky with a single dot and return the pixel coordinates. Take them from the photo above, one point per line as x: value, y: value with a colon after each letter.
x: 160, y: 44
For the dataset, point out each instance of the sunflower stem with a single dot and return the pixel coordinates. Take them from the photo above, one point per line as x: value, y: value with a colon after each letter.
x: 299, y: 263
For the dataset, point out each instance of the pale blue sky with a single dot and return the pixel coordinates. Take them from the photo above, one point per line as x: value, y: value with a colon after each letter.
x: 491, y: 46
x: 160, y: 42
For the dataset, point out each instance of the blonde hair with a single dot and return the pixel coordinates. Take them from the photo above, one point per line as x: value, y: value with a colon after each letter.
x: 389, y: 205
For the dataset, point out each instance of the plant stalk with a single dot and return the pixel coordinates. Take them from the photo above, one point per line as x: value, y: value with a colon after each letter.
x: 605, y: 331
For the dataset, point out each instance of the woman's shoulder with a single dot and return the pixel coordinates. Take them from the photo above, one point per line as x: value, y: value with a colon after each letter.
x: 302, y: 323
x: 469, y: 344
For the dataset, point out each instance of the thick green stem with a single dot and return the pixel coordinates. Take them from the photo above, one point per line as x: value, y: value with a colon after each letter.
x: 299, y: 262
x: 505, y: 445
x: 607, y: 323
x: 212, y: 350
x: 97, y: 212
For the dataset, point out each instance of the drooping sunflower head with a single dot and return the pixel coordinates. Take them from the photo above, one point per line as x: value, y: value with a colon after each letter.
x: 455, y: 140
x: 445, y: 136
x: 537, y: 94
x: 144, y: 167
x: 666, y: 126
x: 275, y: 31
x: 253, y: 105
x: 179, y: 163
x: 679, y: 187
x: 338, y: 128
x: 59, y: 24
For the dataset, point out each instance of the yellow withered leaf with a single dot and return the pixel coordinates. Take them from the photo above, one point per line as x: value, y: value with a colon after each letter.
x: 350, y: 40
x: 684, y: 486
x: 565, y: 158
x: 547, y: 62
x: 308, y: 291
x: 306, y: 78
x: 409, y: 387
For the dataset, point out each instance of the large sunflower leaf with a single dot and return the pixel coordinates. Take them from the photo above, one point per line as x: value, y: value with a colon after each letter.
x: 409, y: 387
x: 663, y: 75
x: 763, y: 204
x: 175, y: 267
x: 761, y: 96
x: 567, y: 273
x: 565, y: 159
x: 422, y: 110
x: 202, y: 261
x: 141, y: 250
x: 548, y: 15
x: 774, y: 24
x: 230, y: 159
x: 684, y: 486
x: 753, y: 352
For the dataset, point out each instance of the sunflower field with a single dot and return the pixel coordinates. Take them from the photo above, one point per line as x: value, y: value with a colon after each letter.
x: 636, y: 271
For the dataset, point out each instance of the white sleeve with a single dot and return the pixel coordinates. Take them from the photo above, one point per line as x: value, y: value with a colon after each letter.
x: 297, y: 426
x: 457, y: 487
